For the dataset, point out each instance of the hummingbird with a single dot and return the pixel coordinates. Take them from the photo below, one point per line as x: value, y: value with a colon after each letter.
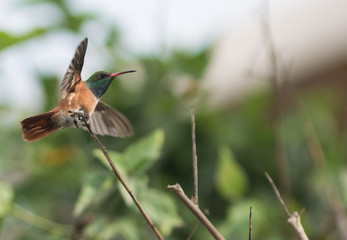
x: 80, y: 105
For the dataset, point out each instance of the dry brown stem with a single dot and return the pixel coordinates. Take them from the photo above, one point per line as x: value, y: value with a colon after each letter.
x: 193, y: 204
x: 294, y: 219
x: 195, y: 197
x: 125, y: 185
x: 250, y: 224
x: 320, y: 162
x: 178, y: 191
x: 280, y: 150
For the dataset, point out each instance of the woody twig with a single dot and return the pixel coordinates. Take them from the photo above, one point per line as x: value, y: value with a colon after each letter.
x: 123, y: 182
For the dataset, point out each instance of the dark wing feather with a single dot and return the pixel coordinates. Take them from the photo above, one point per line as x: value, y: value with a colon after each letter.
x: 108, y: 121
x: 73, y: 73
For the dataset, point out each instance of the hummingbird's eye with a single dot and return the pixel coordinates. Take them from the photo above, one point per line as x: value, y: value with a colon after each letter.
x: 102, y: 75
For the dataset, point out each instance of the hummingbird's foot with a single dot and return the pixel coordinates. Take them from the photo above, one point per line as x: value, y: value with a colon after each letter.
x: 75, y: 122
x: 84, y: 120
x: 80, y: 119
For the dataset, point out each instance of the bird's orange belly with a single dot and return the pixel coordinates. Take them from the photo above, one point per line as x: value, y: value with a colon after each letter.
x: 81, y: 100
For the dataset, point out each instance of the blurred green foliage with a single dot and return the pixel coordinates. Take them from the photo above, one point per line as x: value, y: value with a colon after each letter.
x: 133, y: 165
x: 6, y: 199
x: 231, y: 180
x: 59, y: 188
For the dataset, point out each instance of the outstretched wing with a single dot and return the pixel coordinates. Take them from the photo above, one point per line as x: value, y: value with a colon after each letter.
x: 108, y: 121
x: 73, y: 73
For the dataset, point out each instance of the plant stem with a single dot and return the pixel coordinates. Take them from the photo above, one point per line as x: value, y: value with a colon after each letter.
x: 294, y: 219
x: 195, y: 197
x: 176, y: 189
x: 125, y: 185
x: 37, y: 221
x: 250, y: 224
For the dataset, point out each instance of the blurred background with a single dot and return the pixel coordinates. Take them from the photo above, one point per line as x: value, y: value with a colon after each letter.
x: 268, y: 83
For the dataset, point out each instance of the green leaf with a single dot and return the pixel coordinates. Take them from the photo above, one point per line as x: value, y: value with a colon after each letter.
x: 162, y: 210
x: 142, y: 154
x: 137, y: 185
x: 94, y: 229
x: 6, y: 198
x: 126, y: 227
x: 237, y: 219
x: 137, y: 158
x: 115, y: 157
x: 8, y: 40
x: 84, y: 199
x: 89, y: 194
x: 230, y: 178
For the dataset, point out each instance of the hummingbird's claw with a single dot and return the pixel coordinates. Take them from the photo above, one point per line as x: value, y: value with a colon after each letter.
x: 79, y: 118
x: 75, y: 122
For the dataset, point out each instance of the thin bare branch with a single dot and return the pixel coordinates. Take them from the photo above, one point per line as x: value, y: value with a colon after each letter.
x: 274, y: 58
x: 295, y: 222
x: 193, y: 231
x: 321, y: 164
x: 178, y: 191
x: 278, y: 195
x: 294, y: 219
x: 125, y: 185
x: 195, y: 197
x: 207, y: 212
x: 250, y: 224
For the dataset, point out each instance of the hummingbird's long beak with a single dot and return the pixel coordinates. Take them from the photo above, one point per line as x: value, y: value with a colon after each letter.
x: 120, y: 73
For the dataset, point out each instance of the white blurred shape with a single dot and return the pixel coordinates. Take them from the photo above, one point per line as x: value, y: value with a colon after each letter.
x: 307, y: 34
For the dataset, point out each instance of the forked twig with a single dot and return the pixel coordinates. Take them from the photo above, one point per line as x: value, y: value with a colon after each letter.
x: 125, y: 185
x: 207, y: 212
x: 177, y: 189
x: 193, y: 204
x: 294, y: 219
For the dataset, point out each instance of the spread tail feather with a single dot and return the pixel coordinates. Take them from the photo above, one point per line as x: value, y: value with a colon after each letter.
x: 38, y: 127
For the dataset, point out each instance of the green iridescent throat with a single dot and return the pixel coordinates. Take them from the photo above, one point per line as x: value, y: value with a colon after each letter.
x: 98, y: 83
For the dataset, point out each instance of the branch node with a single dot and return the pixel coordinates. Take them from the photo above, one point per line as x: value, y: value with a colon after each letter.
x: 178, y: 191
x: 293, y: 218
x: 301, y: 211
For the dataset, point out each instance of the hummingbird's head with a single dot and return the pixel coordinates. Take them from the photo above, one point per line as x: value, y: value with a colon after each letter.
x: 99, y: 82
